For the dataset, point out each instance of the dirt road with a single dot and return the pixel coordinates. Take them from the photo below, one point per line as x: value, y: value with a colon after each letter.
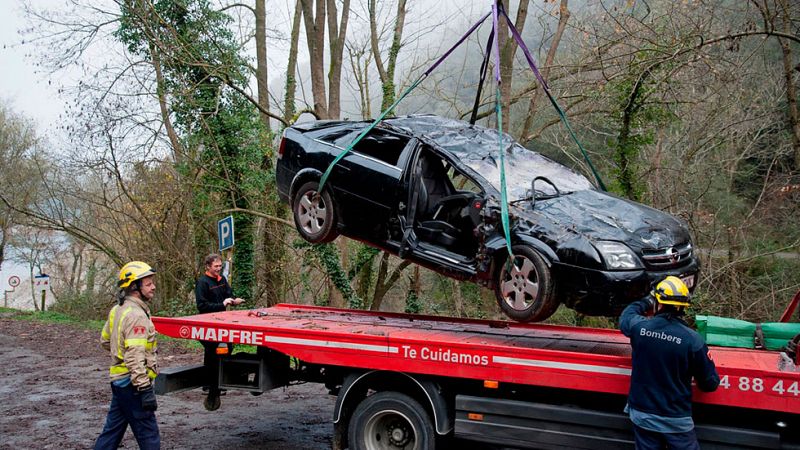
x: 54, y: 394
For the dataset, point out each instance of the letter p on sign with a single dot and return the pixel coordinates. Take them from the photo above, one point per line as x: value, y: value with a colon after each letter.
x: 225, y: 233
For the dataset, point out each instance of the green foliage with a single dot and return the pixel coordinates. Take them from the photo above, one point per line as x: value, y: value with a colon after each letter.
x: 327, y: 256
x: 568, y: 317
x: 57, y: 317
x: 177, y: 307
x: 84, y: 305
x: 413, y: 305
x: 364, y: 256
x: 223, y: 137
x: 637, y: 118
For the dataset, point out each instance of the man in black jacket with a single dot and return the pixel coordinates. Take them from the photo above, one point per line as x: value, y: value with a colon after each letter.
x: 667, y: 354
x: 213, y: 294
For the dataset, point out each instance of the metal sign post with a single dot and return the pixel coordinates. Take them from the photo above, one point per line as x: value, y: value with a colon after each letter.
x: 13, y: 282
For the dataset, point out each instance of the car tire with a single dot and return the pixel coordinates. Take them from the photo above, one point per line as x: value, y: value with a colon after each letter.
x: 390, y: 420
x: 526, y: 292
x: 314, y: 214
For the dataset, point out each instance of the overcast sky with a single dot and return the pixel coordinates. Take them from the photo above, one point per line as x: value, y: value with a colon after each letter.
x: 21, y: 88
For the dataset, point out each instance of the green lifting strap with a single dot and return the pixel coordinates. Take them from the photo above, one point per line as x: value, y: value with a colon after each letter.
x: 364, y: 133
x: 503, y: 193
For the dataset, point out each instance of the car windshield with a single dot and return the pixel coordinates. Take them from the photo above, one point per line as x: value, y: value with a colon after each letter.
x: 522, y: 166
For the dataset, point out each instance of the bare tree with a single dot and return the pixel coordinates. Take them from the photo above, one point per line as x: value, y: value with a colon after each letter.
x: 386, y: 70
x: 17, y: 164
x: 291, y: 69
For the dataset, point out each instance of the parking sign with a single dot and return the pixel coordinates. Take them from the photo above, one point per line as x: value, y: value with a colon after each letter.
x: 225, y: 233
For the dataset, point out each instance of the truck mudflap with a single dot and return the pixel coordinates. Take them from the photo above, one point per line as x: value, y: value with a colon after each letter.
x: 545, y: 426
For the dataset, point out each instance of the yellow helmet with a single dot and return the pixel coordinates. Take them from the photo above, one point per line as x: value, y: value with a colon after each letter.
x: 672, y: 291
x: 134, y: 270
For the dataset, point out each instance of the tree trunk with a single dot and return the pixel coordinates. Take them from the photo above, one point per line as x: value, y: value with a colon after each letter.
x: 458, y: 299
x: 33, y: 289
x: 261, y: 61
x: 161, y: 89
x: 361, y: 75
x: 791, y: 90
x: 507, y: 52
x: 564, y: 14
x: 336, y: 34
x: 291, y: 69
x: 381, y: 286
x: 387, y: 73
x: 314, y: 19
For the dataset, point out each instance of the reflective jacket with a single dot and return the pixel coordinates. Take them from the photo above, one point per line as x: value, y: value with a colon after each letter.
x: 667, y: 354
x: 130, y: 337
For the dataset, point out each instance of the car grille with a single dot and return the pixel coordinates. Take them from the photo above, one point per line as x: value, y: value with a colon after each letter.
x: 665, y: 258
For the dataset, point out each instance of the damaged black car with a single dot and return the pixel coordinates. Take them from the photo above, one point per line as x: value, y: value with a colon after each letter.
x: 427, y: 189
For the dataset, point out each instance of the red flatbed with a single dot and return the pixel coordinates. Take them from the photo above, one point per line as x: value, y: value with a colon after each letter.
x: 587, y: 359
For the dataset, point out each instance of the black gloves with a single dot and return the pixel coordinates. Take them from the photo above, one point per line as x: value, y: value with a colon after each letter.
x: 148, y: 399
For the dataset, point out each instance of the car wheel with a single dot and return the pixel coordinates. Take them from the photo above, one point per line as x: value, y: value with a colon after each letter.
x: 525, y: 290
x: 314, y: 214
x: 391, y: 421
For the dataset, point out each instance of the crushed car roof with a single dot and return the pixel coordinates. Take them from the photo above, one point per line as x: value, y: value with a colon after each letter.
x: 452, y: 135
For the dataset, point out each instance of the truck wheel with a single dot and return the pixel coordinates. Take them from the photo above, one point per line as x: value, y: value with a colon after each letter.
x: 390, y: 420
x: 314, y: 214
x: 525, y: 292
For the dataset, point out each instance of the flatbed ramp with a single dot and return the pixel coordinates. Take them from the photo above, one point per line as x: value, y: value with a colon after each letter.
x: 574, y: 358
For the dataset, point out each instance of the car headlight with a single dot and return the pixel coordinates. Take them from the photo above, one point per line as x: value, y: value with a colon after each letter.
x: 618, y: 256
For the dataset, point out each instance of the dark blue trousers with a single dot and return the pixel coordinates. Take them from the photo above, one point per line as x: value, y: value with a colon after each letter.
x: 126, y: 409
x: 650, y: 440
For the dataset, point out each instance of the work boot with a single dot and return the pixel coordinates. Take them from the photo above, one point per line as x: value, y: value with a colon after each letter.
x: 212, y: 402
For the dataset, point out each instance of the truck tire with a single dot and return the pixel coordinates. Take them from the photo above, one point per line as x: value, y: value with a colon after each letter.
x: 390, y: 420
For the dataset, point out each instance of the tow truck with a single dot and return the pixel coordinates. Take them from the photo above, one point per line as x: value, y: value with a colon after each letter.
x: 405, y: 381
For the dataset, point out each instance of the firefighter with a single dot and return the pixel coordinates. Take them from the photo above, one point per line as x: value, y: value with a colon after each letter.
x: 666, y: 355
x: 130, y: 337
x: 213, y: 294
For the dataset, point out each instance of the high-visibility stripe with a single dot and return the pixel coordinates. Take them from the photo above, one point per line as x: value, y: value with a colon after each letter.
x: 562, y: 365
x: 150, y: 346
x: 111, y: 318
x: 106, y: 334
x: 151, y: 373
x: 119, y: 333
x: 119, y: 369
x: 139, y: 342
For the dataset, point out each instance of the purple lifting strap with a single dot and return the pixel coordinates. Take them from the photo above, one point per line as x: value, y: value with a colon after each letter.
x: 466, y: 35
x: 525, y: 50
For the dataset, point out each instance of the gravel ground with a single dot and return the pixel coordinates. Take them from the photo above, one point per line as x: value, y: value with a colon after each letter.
x: 54, y: 393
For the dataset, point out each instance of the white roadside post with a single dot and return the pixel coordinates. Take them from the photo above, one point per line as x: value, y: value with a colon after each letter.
x: 42, y: 284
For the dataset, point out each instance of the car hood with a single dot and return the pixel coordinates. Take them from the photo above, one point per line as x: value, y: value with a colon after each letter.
x: 600, y: 216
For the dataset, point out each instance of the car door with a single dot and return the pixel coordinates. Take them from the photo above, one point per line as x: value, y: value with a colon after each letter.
x: 367, y: 184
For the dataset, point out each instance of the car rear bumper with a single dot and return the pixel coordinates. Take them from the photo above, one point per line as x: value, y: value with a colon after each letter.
x: 605, y: 293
